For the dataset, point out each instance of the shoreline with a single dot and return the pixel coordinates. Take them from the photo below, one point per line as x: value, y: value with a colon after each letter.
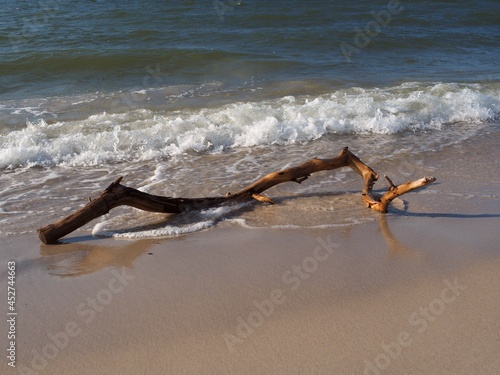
x: 413, y: 291
x: 192, y: 99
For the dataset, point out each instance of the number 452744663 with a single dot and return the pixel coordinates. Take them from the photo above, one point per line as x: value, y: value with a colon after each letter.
x: 11, y: 290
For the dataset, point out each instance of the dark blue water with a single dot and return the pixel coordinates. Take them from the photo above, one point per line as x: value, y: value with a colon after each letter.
x: 60, y: 47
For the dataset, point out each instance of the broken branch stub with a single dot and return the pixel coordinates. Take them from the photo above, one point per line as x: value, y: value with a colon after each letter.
x: 118, y: 195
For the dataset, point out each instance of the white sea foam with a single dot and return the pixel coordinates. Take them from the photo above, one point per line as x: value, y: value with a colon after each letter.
x: 181, y: 224
x: 200, y: 221
x: 166, y: 231
x: 347, y: 222
x: 142, y: 135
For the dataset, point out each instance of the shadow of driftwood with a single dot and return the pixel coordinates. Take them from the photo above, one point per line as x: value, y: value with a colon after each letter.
x: 449, y: 215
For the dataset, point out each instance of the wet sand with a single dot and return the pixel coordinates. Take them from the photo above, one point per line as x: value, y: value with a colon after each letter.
x: 412, y: 292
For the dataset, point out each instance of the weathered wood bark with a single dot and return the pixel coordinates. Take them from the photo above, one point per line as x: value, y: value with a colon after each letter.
x: 118, y: 195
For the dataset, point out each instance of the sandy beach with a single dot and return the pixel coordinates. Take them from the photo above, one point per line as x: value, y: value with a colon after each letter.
x: 194, y: 99
x: 413, y: 292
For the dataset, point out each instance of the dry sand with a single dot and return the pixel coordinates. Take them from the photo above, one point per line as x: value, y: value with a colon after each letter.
x: 405, y: 294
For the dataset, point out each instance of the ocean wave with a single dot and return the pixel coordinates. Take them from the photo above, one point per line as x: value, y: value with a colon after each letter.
x: 141, y: 135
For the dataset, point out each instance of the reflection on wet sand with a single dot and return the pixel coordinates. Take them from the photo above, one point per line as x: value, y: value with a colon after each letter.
x: 72, y: 258
x: 394, y: 246
x: 76, y: 259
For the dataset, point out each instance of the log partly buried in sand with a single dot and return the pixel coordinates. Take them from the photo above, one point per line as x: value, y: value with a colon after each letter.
x: 118, y: 195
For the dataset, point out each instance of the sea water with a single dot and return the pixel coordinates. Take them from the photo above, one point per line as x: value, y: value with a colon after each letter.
x: 194, y: 98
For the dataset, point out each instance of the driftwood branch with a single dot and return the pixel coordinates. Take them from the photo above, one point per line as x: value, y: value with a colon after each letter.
x: 118, y: 195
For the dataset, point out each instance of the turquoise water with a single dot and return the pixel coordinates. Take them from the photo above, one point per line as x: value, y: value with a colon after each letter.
x: 167, y: 91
